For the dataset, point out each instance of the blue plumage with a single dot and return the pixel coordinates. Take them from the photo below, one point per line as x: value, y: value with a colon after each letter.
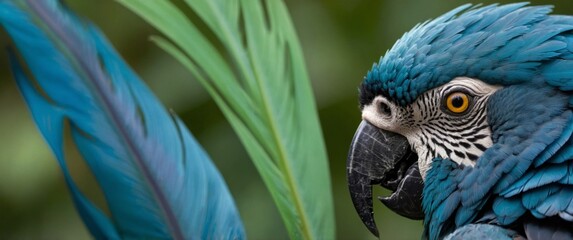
x: 505, y: 173
x: 482, y: 231
x: 158, y: 182
x: 525, y: 175
x: 507, y: 44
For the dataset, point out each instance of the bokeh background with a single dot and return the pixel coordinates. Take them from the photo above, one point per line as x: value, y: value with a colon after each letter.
x: 341, y: 40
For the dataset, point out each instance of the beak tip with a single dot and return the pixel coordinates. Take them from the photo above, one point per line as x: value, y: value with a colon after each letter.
x: 384, y: 200
x: 372, y: 228
x: 390, y: 202
x: 375, y: 232
x: 361, y: 196
x: 373, y: 156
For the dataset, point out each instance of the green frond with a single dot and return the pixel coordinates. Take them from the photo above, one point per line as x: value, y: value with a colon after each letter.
x: 260, y: 83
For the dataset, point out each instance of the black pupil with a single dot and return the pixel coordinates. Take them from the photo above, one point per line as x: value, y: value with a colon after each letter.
x: 457, y: 101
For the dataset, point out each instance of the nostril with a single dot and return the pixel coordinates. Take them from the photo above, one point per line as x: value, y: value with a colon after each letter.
x: 384, y: 109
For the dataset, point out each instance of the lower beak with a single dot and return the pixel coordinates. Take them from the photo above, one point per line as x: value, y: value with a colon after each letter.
x: 379, y: 157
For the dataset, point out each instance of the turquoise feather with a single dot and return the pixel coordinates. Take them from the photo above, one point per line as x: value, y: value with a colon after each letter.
x: 482, y: 231
x: 157, y: 180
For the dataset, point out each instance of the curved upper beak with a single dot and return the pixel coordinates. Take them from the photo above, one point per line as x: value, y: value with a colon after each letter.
x: 379, y: 157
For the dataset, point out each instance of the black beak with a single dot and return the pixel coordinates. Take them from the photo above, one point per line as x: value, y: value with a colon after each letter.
x: 379, y: 157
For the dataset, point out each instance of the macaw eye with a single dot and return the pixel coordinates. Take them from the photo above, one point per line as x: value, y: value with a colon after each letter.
x: 457, y: 102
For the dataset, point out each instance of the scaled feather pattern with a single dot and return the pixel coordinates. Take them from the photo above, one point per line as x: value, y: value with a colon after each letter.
x: 507, y: 44
x: 524, y: 180
x: 157, y: 180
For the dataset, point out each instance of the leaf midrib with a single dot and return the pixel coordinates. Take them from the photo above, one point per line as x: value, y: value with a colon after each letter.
x: 283, y: 160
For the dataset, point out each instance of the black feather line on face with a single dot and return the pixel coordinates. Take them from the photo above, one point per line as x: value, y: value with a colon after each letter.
x: 367, y: 94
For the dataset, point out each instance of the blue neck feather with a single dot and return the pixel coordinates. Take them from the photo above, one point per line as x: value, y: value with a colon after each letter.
x: 531, y: 126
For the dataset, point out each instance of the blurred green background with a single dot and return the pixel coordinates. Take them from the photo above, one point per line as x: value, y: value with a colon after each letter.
x: 341, y: 40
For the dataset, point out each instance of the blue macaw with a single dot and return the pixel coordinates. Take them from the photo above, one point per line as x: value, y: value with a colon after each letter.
x: 468, y: 119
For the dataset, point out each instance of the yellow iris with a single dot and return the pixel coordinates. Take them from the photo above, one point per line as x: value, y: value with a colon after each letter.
x: 458, y: 102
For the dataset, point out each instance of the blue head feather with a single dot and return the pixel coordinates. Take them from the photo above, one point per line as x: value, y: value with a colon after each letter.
x: 528, y: 171
x: 503, y: 45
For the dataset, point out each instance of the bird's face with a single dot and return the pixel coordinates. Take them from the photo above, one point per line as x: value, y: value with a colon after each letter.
x: 447, y: 122
x: 486, y: 89
x: 396, y: 144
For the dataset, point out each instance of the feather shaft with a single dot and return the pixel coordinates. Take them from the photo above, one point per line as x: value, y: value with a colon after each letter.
x: 156, y: 179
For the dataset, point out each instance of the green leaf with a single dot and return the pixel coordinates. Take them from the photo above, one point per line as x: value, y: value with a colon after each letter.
x: 260, y: 82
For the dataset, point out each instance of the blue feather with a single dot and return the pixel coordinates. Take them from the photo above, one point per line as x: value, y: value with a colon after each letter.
x: 508, y: 210
x: 533, y: 198
x: 502, y: 45
x: 556, y: 203
x: 558, y: 148
x: 98, y: 224
x: 157, y: 180
x: 482, y: 231
x: 537, y: 178
x: 568, y: 178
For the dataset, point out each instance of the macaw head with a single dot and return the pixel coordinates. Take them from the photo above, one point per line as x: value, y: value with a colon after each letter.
x: 459, y: 108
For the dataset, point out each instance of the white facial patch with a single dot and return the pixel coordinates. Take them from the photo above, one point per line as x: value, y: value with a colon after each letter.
x: 432, y: 130
x: 388, y: 119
